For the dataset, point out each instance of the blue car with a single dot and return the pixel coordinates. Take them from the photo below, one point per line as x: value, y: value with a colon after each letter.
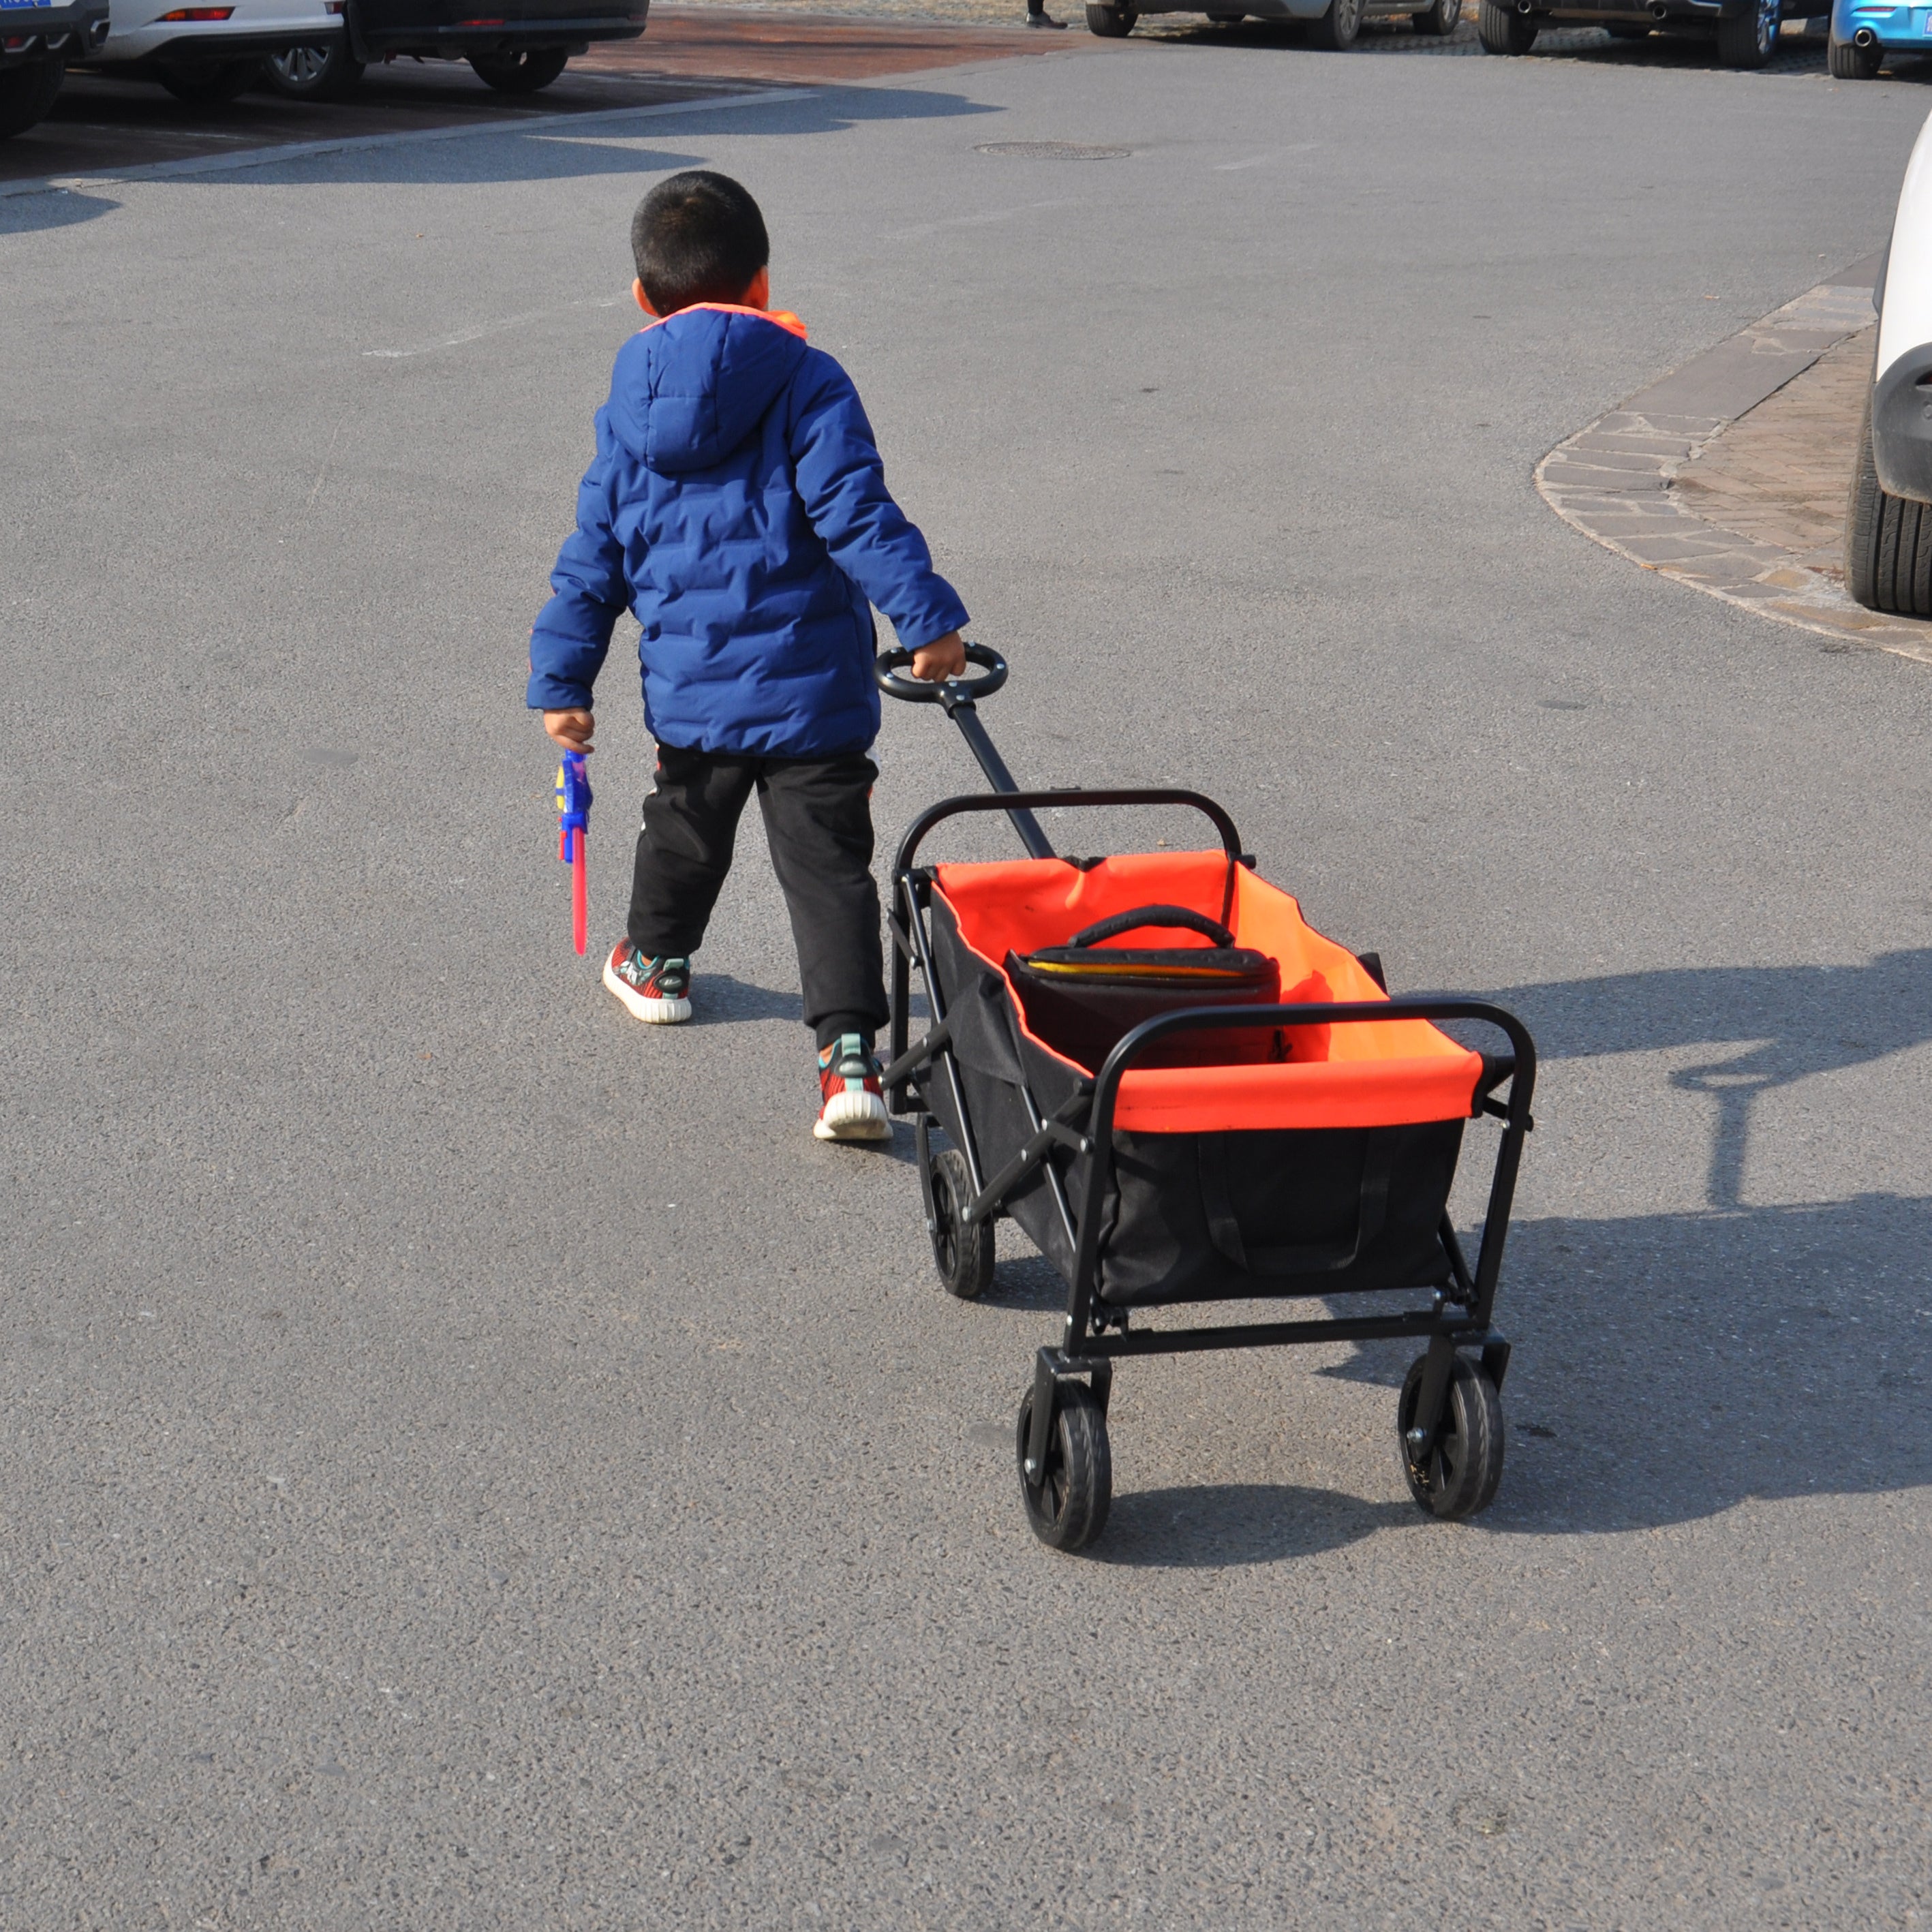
x: 36, y: 43
x: 1863, y: 32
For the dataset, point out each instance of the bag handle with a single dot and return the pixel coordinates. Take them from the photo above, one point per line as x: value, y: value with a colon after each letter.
x: 1327, y: 1259
x: 1154, y: 915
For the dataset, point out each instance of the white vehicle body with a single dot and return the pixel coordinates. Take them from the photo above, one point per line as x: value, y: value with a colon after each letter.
x: 1901, y: 402
x: 166, y: 30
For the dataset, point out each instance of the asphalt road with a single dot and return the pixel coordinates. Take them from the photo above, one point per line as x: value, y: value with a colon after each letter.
x: 473, y: 1461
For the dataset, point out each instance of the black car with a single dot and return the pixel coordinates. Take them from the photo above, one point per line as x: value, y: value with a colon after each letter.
x: 1745, y: 31
x: 521, y: 46
x: 36, y: 43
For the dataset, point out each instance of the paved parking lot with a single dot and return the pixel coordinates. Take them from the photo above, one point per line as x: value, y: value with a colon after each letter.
x: 470, y: 1461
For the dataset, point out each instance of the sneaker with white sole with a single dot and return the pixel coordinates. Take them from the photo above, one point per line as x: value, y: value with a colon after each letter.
x: 852, y: 1107
x: 657, y: 992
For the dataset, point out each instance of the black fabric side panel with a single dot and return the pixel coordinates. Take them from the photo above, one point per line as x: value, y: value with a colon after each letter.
x: 1300, y: 1188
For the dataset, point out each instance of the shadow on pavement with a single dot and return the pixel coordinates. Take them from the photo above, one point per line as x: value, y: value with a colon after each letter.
x: 56, y: 208
x: 1239, y: 1522
x: 1791, y: 1021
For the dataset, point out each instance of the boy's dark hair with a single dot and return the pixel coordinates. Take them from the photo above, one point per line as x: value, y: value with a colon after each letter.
x: 697, y: 237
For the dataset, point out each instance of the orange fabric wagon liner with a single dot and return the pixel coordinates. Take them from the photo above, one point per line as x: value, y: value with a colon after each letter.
x: 1380, y: 1073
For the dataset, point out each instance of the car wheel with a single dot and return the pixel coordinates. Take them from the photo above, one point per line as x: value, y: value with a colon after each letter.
x: 523, y: 72
x: 1336, y: 28
x: 212, y: 83
x: 1502, y: 30
x: 314, y: 74
x: 26, y: 93
x: 1887, y: 540
x: 1111, y: 23
x: 1442, y: 19
x: 1750, y: 39
x: 1848, y: 62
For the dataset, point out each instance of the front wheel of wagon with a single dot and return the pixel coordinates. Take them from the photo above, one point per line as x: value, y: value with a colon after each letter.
x: 1462, y: 1470
x: 1068, y: 1506
x: 964, y: 1255
x: 1111, y: 23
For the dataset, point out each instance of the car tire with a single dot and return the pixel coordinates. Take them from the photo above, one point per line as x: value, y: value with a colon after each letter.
x: 524, y: 72
x: 1887, y: 540
x: 1502, y: 30
x: 1749, y: 40
x: 1336, y: 28
x: 330, y: 73
x: 1848, y: 62
x: 1111, y: 23
x: 26, y: 93
x: 1442, y: 19
x: 212, y: 83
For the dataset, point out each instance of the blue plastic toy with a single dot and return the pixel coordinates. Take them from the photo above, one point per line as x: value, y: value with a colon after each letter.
x: 573, y: 806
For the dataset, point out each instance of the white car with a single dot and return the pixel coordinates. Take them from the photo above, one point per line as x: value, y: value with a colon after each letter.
x: 1888, y: 529
x: 206, y: 54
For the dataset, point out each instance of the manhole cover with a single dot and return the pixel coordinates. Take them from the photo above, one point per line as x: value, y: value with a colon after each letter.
x: 1052, y: 151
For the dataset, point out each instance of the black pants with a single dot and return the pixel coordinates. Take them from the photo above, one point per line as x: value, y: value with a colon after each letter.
x: 818, y: 823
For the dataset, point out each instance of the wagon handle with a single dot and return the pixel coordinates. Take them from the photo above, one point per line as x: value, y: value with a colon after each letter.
x: 948, y: 691
x: 957, y: 695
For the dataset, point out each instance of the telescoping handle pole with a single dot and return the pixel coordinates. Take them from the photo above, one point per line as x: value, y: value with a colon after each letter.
x: 956, y: 696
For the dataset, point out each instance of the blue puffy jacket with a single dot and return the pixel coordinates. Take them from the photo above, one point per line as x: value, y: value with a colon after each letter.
x: 738, y: 506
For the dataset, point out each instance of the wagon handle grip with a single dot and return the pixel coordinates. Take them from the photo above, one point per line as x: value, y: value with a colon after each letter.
x: 948, y: 691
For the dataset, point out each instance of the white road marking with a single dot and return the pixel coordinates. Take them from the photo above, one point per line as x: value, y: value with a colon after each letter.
x: 1273, y: 154
x: 496, y: 328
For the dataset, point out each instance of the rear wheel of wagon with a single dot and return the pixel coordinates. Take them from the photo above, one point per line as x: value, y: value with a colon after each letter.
x: 1462, y: 1470
x: 1068, y: 1507
x: 964, y: 1255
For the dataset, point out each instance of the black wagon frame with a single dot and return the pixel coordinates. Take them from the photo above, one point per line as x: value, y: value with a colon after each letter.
x: 1096, y: 1335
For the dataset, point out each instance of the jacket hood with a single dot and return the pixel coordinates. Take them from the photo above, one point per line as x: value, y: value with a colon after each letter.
x: 686, y: 391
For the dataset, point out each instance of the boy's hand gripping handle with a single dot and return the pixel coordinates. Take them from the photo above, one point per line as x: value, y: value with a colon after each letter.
x: 573, y: 806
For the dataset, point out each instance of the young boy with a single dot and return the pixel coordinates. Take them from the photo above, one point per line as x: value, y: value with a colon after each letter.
x: 738, y: 508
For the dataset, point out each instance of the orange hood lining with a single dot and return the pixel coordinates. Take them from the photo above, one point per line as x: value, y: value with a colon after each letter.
x: 784, y: 317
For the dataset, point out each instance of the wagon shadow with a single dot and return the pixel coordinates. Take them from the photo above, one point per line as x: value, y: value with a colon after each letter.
x: 1223, y: 1523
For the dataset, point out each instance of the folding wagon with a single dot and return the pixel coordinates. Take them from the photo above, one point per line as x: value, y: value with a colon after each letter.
x: 1236, y: 1111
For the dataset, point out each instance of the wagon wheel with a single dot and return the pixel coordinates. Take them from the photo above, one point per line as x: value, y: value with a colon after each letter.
x: 1067, y: 1507
x: 1466, y: 1464
x: 964, y: 1255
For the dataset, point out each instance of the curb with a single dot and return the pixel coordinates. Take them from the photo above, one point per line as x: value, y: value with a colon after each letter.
x: 1613, y: 479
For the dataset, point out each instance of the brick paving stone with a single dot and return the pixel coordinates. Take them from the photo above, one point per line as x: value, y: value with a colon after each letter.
x: 1751, y: 509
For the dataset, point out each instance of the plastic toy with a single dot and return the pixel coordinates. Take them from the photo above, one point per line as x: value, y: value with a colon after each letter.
x: 573, y: 808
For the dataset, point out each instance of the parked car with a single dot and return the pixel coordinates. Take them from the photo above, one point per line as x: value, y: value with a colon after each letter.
x: 1746, y: 31
x: 36, y: 43
x: 1888, y: 524
x: 205, y: 55
x: 1863, y: 32
x: 1334, y: 23
x: 521, y: 47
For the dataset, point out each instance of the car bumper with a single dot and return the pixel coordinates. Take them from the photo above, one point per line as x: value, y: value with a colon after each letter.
x: 386, y: 28
x: 255, y: 27
x: 1899, y: 27
x: 491, y: 36
x: 32, y: 33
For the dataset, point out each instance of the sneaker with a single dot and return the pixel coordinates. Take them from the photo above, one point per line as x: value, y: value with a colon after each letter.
x: 854, y: 1107
x: 654, y: 990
